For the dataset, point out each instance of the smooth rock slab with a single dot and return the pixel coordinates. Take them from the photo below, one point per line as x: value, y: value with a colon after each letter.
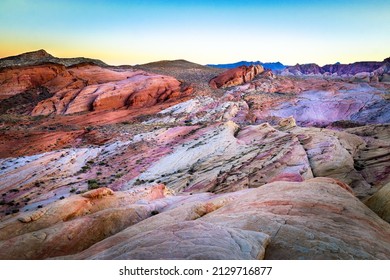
x: 315, y: 219
x: 380, y: 203
x: 191, y: 240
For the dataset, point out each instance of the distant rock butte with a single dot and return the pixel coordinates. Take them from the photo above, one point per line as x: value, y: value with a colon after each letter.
x: 236, y: 76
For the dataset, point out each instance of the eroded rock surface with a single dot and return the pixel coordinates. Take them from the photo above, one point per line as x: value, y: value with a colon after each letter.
x: 88, y: 87
x: 72, y: 225
x: 151, y: 162
x: 315, y: 219
x: 92, y: 88
x: 236, y: 76
x: 380, y: 202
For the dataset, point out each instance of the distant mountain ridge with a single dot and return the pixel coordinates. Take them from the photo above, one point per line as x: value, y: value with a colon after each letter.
x: 267, y: 65
x: 41, y: 57
x: 365, y: 70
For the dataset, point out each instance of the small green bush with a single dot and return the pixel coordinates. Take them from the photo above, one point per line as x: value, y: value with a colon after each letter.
x: 93, y: 184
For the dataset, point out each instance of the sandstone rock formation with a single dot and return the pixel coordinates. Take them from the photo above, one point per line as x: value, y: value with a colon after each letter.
x: 126, y: 163
x: 73, y: 224
x: 380, y: 203
x: 221, y: 160
x: 16, y: 80
x: 236, y: 76
x: 315, y: 101
x: 87, y: 87
x: 190, y: 240
x: 281, y: 220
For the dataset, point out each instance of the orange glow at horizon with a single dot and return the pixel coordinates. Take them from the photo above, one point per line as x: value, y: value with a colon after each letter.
x: 123, y: 32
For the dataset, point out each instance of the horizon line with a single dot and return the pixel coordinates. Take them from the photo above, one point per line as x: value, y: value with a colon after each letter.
x: 161, y: 60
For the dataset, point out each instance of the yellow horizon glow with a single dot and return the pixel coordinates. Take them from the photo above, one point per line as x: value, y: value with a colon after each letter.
x: 122, y: 57
x: 122, y: 32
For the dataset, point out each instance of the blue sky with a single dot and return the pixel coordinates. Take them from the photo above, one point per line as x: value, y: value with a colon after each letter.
x: 131, y: 32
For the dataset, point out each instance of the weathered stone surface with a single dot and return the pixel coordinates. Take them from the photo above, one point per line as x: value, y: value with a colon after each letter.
x: 331, y: 154
x: 220, y: 159
x: 194, y: 240
x: 315, y: 219
x: 92, y: 88
x: 71, y: 237
x: 324, y: 107
x: 236, y: 76
x: 273, y: 168
x: 138, y: 91
x: 98, y: 193
x: 73, y: 224
x: 39, y: 178
x: 380, y: 202
x: 16, y: 80
x: 85, y: 86
x: 373, y: 160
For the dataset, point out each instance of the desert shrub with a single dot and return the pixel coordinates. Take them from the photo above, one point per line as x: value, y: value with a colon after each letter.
x: 85, y: 168
x: 93, y: 184
x: 7, y: 118
x: 38, y: 118
x: 138, y: 182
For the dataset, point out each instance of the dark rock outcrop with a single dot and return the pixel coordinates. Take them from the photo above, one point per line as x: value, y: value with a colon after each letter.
x: 42, y: 57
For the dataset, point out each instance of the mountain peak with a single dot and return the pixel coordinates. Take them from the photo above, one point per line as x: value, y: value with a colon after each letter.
x: 38, y: 54
x: 41, y: 53
x: 42, y: 56
x: 25, y: 58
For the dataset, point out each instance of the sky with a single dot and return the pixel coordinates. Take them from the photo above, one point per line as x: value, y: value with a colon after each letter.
x: 219, y: 31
